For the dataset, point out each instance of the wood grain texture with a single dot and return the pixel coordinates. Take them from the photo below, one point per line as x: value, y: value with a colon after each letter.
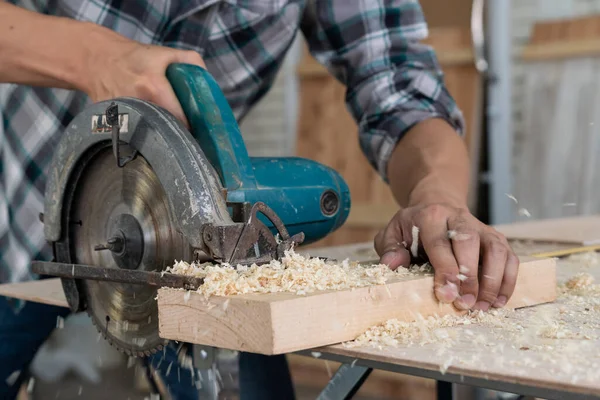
x: 283, y: 322
x: 580, y: 230
x: 46, y: 291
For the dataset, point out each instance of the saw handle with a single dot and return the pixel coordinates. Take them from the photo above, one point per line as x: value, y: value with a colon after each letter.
x: 309, y: 197
x: 212, y: 124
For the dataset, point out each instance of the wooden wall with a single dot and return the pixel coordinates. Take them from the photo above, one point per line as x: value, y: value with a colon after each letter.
x: 327, y: 133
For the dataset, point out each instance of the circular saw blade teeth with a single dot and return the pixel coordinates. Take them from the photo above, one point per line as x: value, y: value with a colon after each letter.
x: 128, y: 351
x: 107, y: 200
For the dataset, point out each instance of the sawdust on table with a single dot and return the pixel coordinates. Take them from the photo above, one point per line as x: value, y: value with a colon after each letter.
x: 563, y: 339
x: 295, y: 273
x: 579, y: 290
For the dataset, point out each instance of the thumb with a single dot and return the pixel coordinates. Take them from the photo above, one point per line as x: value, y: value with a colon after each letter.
x: 389, y: 247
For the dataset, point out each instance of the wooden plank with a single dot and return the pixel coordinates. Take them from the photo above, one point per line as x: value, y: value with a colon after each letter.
x: 438, y: 17
x: 45, y: 291
x: 283, y: 322
x: 562, y: 50
x: 579, y: 230
x: 564, y: 39
x: 552, y: 31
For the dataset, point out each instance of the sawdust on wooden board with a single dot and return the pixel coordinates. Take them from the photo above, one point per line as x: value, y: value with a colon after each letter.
x: 295, y: 273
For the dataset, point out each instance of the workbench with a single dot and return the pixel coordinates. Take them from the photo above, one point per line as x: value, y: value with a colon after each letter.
x: 551, y: 351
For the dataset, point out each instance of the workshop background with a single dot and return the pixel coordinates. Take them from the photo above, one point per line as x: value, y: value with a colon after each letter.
x: 530, y: 93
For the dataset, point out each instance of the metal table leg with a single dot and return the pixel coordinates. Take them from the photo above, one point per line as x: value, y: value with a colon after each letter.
x: 444, y: 390
x: 345, y: 383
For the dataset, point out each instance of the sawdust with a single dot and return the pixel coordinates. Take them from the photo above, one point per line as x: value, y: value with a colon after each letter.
x: 580, y: 284
x: 295, y: 273
x: 580, y: 290
x: 422, y: 331
x: 561, y: 340
x: 414, y: 246
x: 524, y: 212
x: 587, y: 259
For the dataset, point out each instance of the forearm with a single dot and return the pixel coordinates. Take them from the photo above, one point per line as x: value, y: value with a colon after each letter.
x: 41, y: 50
x: 430, y: 165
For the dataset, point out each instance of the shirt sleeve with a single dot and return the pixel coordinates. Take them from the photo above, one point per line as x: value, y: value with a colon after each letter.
x: 393, y: 81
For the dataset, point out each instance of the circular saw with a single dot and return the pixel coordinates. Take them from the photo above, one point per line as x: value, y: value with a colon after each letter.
x: 131, y: 190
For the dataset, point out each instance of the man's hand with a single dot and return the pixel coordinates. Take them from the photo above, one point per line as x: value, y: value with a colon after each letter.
x: 455, y: 243
x: 475, y: 267
x: 128, y: 68
x: 49, y: 51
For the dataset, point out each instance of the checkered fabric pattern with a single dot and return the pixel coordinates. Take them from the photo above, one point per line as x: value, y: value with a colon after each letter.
x: 369, y: 45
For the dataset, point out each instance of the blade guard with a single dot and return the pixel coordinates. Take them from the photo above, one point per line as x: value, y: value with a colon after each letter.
x: 308, y: 196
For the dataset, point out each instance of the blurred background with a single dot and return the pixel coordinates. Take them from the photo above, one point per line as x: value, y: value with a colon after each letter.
x: 526, y: 74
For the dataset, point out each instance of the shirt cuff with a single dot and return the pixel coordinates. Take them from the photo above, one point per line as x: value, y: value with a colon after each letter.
x: 398, y: 124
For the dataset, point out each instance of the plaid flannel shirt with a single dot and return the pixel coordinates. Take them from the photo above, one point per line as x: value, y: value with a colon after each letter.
x: 372, y: 46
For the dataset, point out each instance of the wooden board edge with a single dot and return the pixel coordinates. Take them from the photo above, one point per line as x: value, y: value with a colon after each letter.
x: 544, y: 271
x: 187, y: 308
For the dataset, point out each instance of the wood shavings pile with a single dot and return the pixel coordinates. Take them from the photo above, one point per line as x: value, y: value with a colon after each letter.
x: 580, y: 284
x: 582, y: 292
x: 295, y: 273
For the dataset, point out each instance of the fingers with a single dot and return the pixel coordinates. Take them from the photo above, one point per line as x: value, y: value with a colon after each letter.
x: 509, y: 280
x: 475, y: 268
x: 434, y: 236
x: 388, y: 245
x: 465, y: 246
x: 168, y: 98
x: 190, y: 57
x: 169, y: 101
x: 494, y: 259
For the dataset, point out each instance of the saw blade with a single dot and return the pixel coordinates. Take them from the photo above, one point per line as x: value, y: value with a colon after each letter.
x: 127, y: 203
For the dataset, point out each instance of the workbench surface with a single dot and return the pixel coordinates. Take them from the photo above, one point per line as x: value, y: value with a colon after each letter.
x: 544, y: 350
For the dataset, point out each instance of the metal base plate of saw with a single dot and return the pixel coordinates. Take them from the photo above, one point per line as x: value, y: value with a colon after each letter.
x: 130, y: 190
